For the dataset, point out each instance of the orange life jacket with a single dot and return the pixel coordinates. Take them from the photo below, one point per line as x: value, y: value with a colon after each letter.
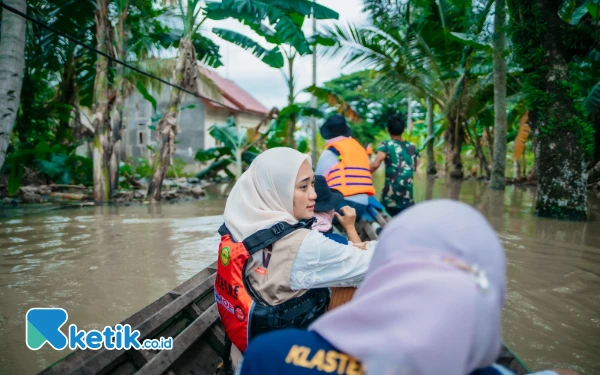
x: 352, y: 175
x: 243, y: 312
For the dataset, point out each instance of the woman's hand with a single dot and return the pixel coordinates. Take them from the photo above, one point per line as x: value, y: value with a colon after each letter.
x: 349, y: 217
x: 361, y: 245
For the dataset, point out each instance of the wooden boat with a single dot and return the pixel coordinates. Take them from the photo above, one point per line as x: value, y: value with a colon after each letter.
x: 189, y: 314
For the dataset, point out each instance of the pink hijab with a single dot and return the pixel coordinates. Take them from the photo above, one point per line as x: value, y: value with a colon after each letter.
x: 431, y: 302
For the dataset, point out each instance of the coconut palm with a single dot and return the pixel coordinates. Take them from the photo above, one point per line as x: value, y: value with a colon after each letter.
x: 419, y: 57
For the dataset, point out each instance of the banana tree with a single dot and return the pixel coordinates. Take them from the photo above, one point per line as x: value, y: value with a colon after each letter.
x: 191, y: 47
x: 119, y: 44
x: 100, y: 108
x: 138, y: 27
x: 238, y: 148
x: 290, y: 42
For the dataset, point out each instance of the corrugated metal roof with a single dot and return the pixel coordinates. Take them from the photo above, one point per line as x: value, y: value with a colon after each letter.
x: 234, y: 96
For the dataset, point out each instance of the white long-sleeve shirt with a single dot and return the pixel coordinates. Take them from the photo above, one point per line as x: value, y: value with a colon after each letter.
x: 321, y: 262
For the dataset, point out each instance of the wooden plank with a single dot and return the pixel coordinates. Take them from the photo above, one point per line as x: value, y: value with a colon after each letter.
x: 165, y: 358
x: 215, y: 337
x: 194, y: 311
x: 340, y: 296
x: 104, y: 358
x: 199, y: 359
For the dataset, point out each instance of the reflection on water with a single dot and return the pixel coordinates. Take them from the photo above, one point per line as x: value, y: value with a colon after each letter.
x: 104, y: 263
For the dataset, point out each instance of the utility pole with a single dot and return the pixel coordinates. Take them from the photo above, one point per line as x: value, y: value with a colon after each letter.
x: 313, y: 101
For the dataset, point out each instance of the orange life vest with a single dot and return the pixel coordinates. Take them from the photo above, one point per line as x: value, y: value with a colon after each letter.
x: 352, y: 175
x: 243, y: 312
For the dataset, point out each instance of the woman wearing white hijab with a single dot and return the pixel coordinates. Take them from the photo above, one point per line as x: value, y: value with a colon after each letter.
x: 430, y: 304
x: 278, y: 187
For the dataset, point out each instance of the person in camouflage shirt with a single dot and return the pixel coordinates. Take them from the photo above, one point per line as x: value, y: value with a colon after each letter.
x: 400, y: 163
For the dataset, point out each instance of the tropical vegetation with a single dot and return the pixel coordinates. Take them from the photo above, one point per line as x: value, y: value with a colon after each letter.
x: 486, y: 87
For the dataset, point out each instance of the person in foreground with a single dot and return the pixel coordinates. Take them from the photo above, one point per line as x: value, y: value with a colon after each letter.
x: 430, y: 304
x: 273, y: 270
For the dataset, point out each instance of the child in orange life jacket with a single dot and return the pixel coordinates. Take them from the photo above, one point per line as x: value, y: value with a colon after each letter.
x: 345, y: 165
x: 327, y: 200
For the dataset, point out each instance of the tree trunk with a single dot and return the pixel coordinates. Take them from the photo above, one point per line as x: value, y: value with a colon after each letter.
x: 479, y: 151
x: 563, y: 135
x: 454, y: 140
x: 431, y: 170
x: 101, y: 133
x: 409, y: 120
x: 313, y: 100
x: 116, y: 116
x: 67, y: 94
x: 499, y: 161
x: 185, y: 75
x: 289, y: 136
x: 291, y: 142
x: 12, y: 66
x: 533, y: 174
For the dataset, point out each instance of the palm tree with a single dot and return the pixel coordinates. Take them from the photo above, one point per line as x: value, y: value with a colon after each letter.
x: 559, y: 122
x: 418, y: 57
x: 499, y: 165
x: 12, y: 63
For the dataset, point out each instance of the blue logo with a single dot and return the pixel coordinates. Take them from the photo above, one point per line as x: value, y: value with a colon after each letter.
x: 43, y: 326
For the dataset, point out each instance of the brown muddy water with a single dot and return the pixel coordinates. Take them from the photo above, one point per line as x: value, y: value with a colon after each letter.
x: 103, y: 264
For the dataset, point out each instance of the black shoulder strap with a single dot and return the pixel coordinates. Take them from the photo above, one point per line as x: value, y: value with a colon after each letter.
x: 266, y: 237
x: 223, y: 230
x: 334, y: 150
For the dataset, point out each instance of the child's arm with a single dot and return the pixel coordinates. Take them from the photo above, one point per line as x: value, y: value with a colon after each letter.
x: 378, y: 160
x: 347, y: 222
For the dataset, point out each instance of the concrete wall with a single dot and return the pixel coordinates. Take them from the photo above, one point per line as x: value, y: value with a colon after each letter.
x: 138, y: 114
x: 194, y: 124
x: 214, y: 116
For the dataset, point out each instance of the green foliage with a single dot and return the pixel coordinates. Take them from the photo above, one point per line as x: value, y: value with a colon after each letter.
x: 593, y: 99
x: 229, y: 134
x: 142, y: 89
x: 529, y: 28
x: 142, y: 167
x: 235, y: 141
x: 176, y: 170
x: 58, y: 163
x: 286, y: 17
x: 360, y: 92
x: 67, y: 169
x: 272, y: 57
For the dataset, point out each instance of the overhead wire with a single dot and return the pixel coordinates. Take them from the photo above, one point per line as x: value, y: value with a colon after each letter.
x: 111, y: 58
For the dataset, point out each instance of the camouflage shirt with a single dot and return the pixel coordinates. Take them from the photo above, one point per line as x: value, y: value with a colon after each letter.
x: 399, y: 171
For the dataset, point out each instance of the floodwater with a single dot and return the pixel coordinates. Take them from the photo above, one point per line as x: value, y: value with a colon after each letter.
x: 102, y: 264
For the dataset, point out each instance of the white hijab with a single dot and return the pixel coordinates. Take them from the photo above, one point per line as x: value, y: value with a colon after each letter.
x: 264, y: 194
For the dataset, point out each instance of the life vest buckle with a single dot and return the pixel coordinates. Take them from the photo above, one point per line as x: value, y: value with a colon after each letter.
x: 277, y: 228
